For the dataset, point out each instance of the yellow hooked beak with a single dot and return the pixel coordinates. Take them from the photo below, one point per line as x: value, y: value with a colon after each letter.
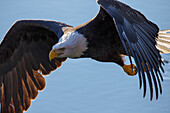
x: 53, y: 54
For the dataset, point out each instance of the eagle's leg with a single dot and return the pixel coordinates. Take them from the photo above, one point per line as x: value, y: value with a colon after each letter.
x: 128, y: 69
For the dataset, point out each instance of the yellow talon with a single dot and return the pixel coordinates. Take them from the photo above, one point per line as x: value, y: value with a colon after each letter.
x: 128, y: 69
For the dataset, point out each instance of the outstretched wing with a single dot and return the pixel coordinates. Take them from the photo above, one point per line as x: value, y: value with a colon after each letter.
x: 138, y: 36
x: 24, y: 59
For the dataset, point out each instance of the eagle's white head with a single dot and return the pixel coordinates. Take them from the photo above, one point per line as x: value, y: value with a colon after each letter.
x: 71, y: 44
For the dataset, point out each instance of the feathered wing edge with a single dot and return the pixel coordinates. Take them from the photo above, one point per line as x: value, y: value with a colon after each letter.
x: 24, y: 59
x: 138, y: 37
x: 163, y: 41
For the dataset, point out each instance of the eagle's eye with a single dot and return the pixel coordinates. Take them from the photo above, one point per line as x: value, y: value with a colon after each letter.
x: 61, y: 49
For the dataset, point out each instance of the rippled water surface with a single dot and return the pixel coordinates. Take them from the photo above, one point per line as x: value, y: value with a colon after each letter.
x: 85, y: 85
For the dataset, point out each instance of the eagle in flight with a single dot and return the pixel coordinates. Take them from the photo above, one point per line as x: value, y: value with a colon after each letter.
x: 32, y: 48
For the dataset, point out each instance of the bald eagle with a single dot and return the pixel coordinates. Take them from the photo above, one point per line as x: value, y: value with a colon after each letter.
x: 32, y: 48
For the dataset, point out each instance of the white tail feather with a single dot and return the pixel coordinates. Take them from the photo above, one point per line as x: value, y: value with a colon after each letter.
x: 163, y: 41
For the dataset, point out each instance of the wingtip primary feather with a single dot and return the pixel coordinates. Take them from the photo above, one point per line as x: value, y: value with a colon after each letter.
x: 163, y: 41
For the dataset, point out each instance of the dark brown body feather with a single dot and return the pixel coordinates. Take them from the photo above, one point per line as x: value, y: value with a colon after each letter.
x: 104, y: 43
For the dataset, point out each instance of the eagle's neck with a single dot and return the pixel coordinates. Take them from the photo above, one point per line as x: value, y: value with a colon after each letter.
x: 74, y: 41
